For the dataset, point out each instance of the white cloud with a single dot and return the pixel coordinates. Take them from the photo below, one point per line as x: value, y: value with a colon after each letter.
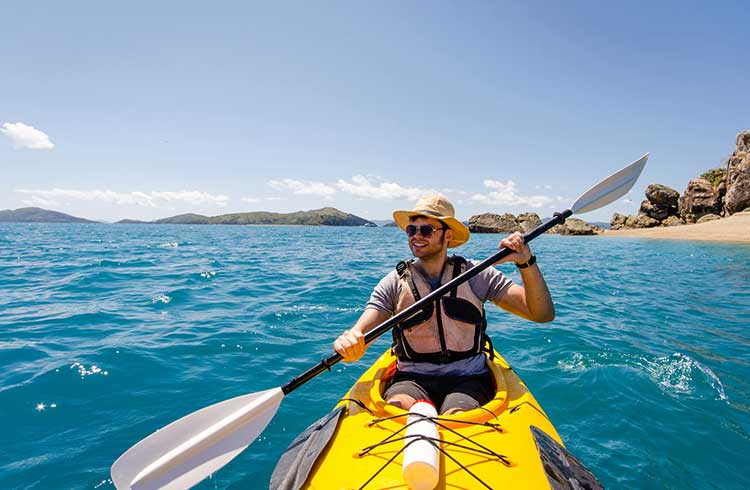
x: 506, y: 193
x: 250, y: 199
x: 361, y: 186
x: 24, y: 136
x: 449, y: 190
x: 154, y: 199
x: 303, y: 187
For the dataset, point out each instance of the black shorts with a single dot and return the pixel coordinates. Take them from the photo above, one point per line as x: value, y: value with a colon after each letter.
x: 446, y: 392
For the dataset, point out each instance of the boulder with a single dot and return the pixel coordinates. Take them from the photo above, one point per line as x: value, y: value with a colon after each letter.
x: 743, y: 141
x: 737, y: 195
x: 672, y: 221
x: 528, y: 221
x: 651, y: 210
x: 494, y: 223
x: 629, y: 221
x: 700, y: 198
x: 644, y: 221
x: 722, y: 188
x: 618, y: 221
x: 525, y: 222
x: 662, y: 196
x: 708, y: 217
x: 575, y: 226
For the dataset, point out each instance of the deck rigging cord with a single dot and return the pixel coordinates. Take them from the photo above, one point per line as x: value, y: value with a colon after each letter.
x: 440, y: 422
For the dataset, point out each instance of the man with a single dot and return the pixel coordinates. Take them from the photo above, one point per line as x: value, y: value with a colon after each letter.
x: 440, y: 351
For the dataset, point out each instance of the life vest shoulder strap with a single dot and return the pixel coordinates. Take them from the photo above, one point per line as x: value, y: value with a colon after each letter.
x: 404, y: 266
x: 459, y: 264
x: 404, y: 272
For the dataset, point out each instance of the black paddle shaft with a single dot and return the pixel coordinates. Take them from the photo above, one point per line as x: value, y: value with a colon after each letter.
x: 373, y: 334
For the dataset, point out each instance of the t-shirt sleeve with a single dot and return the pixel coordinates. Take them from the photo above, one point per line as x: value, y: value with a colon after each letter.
x: 490, y: 284
x: 385, y: 295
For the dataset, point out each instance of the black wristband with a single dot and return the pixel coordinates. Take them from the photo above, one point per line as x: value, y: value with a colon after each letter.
x: 528, y: 263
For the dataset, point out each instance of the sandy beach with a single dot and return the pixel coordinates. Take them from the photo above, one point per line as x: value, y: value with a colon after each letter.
x: 735, y: 228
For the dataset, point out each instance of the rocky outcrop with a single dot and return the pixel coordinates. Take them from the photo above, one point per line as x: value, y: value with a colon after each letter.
x: 525, y: 222
x: 657, y: 213
x: 662, y: 197
x: 672, y: 221
x: 494, y: 223
x: 738, y: 176
x: 708, y: 217
x: 717, y: 193
x: 645, y: 221
x: 528, y: 221
x: 618, y: 221
x: 575, y: 226
x: 700, y: 198
x: 658, y: 209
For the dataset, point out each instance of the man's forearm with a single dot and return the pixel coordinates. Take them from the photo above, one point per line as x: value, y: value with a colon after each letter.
x: 538, y: 299
x: 369, y: 319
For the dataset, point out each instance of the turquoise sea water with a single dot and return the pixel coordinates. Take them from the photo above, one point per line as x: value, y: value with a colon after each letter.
x: 108, y: 332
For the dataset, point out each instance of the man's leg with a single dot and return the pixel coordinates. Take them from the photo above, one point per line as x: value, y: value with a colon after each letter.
x: 474, y: 392
x: 401, y: 401
x: 405, y: 393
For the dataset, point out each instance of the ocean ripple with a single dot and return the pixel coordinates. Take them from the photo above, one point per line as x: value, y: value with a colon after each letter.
x: 125, y: 328
x: 677, y: 374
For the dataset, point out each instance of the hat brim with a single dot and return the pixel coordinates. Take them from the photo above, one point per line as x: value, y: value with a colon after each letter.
x: 461, y: 233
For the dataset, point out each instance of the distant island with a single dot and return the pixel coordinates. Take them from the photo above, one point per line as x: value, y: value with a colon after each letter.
x: 38, y: 215
x: 316, y: 217
x: 384, y: 222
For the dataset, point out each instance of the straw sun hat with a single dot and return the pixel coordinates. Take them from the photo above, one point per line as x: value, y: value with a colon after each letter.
x: 437, y: 207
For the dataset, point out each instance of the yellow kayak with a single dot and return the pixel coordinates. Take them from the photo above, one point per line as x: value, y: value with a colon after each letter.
x: 507, y: 443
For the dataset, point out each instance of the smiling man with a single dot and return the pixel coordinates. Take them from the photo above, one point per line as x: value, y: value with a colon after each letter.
x: 441, y: 351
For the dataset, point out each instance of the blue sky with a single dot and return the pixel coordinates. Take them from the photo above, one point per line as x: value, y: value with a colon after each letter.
x: 151, y: 109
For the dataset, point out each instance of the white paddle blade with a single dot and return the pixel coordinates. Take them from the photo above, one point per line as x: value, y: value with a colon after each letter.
x: 610, y: 189
x: 188, y: 450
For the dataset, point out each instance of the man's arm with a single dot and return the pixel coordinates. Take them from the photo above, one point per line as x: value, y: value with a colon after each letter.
x: 532, y: 300
x: 351, y: 344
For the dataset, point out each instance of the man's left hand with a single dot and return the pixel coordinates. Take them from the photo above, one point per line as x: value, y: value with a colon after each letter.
x: 521, y: 251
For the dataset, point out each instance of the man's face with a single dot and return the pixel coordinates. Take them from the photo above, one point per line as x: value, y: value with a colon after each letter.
x: 427, y: 247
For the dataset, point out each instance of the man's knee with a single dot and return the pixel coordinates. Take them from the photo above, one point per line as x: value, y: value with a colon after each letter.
x: 401, y: 401
x: 453, y: 411
x: 457, y: 403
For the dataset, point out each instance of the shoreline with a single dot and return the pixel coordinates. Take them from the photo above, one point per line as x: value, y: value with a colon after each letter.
x: 735, y: 228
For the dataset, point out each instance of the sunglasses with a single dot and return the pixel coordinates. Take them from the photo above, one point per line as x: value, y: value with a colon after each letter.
x: 424, y: 230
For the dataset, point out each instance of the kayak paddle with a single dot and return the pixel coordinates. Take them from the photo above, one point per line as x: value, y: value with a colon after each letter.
x: 188, y: 450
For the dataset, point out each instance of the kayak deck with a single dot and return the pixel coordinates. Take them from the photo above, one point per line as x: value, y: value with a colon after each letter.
x: 488, y: 447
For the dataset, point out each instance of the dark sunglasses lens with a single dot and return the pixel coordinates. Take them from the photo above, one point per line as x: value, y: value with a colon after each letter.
x: 424, y: 230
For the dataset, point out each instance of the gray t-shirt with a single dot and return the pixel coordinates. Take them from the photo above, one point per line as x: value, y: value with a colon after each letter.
x: 488, y: 285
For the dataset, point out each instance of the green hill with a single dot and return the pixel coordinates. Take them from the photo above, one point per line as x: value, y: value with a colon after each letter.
x: 324, y: 216
x: 38, y: 215
x: 185, y: 219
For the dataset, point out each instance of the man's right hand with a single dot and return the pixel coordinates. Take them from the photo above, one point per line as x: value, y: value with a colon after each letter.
x: 351, y: 345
